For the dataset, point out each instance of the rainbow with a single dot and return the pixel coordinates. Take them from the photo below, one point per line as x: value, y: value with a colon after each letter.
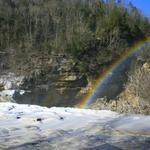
x: 106, y: 75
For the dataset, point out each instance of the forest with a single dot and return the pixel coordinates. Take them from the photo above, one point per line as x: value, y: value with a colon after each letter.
x: 93, y: 32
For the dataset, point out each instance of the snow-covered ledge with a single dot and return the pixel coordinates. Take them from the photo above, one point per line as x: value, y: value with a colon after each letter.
x: 26, y: 127
x: 11, y: 81
x: 9, y: 85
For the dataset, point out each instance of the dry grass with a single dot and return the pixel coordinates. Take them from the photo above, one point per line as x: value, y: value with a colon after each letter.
x: 140, y: 83
x: 136, y: 96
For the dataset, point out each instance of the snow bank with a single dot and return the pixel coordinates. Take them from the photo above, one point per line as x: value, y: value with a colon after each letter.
x: 68, y: 128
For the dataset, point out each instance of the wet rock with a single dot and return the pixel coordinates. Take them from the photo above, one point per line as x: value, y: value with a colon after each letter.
x: 18, y: 117
x: 61, y: 118
x: 11, y: 108
x: 39, y: 119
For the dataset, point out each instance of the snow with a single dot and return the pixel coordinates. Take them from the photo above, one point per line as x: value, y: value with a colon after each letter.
x: 7, y: 93
x: 21, y: 92
x: 68, y: 128
x: 70, y: 118
x: 10, y: 81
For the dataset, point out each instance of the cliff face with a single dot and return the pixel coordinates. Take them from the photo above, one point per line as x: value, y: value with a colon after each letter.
x: 48, y: 79
x: 51, y: 80
x: 54, y: 80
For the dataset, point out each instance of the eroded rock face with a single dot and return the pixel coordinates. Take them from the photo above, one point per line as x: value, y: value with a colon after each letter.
x: 47, y: 78
x: 57, y: 82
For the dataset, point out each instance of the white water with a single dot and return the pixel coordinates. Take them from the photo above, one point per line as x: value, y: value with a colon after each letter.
x: 33, y: 127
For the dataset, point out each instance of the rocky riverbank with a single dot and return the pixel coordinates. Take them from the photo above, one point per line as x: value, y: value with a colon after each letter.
x: 60, y: 84
x: 135, y: 96
x: 56, y: 78
x: 53, y: 81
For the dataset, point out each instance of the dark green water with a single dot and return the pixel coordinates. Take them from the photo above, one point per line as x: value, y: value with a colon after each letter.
x: 48, y: 98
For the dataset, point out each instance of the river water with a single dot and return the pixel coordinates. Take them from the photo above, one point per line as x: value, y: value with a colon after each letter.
x: 48, y: 98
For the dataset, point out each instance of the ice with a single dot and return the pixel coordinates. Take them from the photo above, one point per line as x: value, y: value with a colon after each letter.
x: 70, y: 128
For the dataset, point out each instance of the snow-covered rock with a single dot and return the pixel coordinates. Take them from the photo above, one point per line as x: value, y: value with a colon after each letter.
x: 7, y: 95
x: 11, y: 81
x: 25, y: 127
x: 9, y: 85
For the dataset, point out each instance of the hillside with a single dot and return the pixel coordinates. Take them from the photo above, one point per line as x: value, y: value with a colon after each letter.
x: 54, y: 49
x: 74, y: 75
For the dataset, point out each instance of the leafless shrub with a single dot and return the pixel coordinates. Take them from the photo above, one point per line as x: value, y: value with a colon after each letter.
x: 144, y: 55
x: 140, y: 82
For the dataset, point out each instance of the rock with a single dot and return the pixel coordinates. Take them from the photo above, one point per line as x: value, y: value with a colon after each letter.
x: 1, y: 87
x: 18, y: 117
x: 11, y: 81
x: 146, y: 66
x: 7, y: 95
x: 39, y: 119
x: 70, y: 78
x: 6, y: 99
x: 86, y: 89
